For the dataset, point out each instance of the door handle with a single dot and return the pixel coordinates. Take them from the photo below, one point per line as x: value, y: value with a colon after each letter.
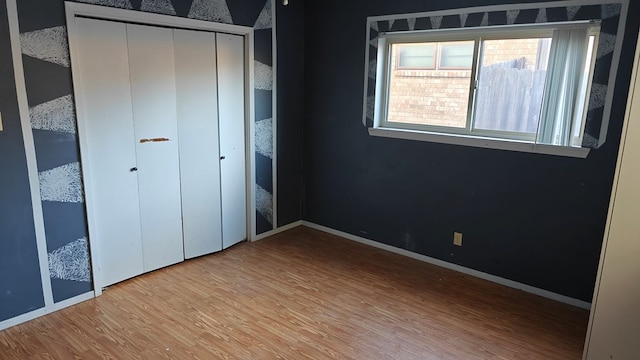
x: 133, y: 169
x: 222, y: 157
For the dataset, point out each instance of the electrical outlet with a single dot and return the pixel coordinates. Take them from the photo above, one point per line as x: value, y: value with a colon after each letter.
x: 457, y: 239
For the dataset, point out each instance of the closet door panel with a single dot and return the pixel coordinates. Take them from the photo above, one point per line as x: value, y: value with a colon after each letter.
x: 107, y: 125
x: 231, y: 99
x: 197, y: 103
x: 156, y: 139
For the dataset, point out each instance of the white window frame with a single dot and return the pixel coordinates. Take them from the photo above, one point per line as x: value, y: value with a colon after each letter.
x: 468, y: 135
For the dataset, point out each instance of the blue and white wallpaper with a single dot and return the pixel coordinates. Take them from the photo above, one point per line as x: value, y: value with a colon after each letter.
x: 43, y: 41
x: 609, y: 14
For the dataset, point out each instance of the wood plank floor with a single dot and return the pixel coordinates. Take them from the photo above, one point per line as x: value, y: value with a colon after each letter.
x: 304, y: 294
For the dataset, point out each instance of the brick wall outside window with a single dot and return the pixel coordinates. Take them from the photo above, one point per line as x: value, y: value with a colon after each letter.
x: 440, y: 97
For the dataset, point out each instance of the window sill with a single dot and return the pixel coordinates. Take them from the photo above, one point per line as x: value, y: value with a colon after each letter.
x: 481, y: 142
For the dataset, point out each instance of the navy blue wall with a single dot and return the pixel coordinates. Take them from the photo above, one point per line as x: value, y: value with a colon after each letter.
x: 20, y: 282
x: 531, y: 218
x: 290, y: 30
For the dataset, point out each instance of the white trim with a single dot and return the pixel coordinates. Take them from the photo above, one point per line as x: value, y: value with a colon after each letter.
x: 382, y: 66
x: 46, y: 310
x: 279, y: 230
x: 74, y: 10
x: 617, y: 53
x: 505, y: 7
x: 366, y: 73
x: 454, y: 267
x: 250, y: 155
x: 481, y: 142
x: 274, y: 119
x: 30, y: 152
x: 489, y: 32
x: 634, y: 86
x: 94, y: 248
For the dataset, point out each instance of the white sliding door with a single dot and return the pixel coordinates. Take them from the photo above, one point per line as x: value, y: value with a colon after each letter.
x: 107, y: 125
x: 197, y: 100
x: 153, y: 89
x: 232, y: 146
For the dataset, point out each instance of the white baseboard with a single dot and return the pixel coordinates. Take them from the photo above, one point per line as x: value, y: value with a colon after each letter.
x: 278, y: 230
x: 458, y: 268
x: 45, y: 310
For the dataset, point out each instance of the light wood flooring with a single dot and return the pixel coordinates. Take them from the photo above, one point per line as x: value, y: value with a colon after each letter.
x: 304, y: 294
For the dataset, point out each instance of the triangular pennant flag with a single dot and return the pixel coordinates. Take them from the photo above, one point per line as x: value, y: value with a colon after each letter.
x: 71, y: 262
x: 158, y: 6
x: 412, y: 23
x: 606, y: 44
x: 610, y: 10
x: 598, y: 96
x: 512, y: 15
x: 263, y: 76
x: 542, y: 16
x: 55, y: 115
x: 463, y: 19
x: 371, y: 102
x: 264, y: 19
x: 436, y: 21
x: 572, y: 11
x: 124, y: 4
x: 264, y: 203
x: 264, y: 137
x: 485, y: 20
x: 61, y: 184
x: 372, y: 68
x: 211, y: 10
x: 47, y: 44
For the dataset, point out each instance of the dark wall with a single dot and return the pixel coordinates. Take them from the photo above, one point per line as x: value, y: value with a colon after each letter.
x: 532, y: 218
x: 20, y: 282
x: 290, y: 80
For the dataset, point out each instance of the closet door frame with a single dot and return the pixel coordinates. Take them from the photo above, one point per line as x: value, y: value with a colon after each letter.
x: 79, y: 10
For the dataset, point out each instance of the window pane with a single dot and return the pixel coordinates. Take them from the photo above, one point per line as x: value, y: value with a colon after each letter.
x: 417, y: 56
x: 583, y: 96
x: 427, y: 97
x: 511, y: 84
x: 457, y: 55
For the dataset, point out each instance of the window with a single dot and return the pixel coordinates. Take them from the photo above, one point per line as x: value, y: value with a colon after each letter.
x: 516, y: 83
x: 417, y: 56
x: 452, y: 55
x: 457, y: 55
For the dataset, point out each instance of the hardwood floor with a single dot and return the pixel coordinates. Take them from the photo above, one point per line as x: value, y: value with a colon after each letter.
x: 304, y: 294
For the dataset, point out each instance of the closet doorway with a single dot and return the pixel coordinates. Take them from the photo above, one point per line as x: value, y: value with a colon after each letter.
x: 164, y: 123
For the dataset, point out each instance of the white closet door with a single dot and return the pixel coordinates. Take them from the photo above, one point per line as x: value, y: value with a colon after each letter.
x: 107, y: 125
x: 197, y: 100
x: 614, y: 330
x: 232, y: 147
x: 153, y: 90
